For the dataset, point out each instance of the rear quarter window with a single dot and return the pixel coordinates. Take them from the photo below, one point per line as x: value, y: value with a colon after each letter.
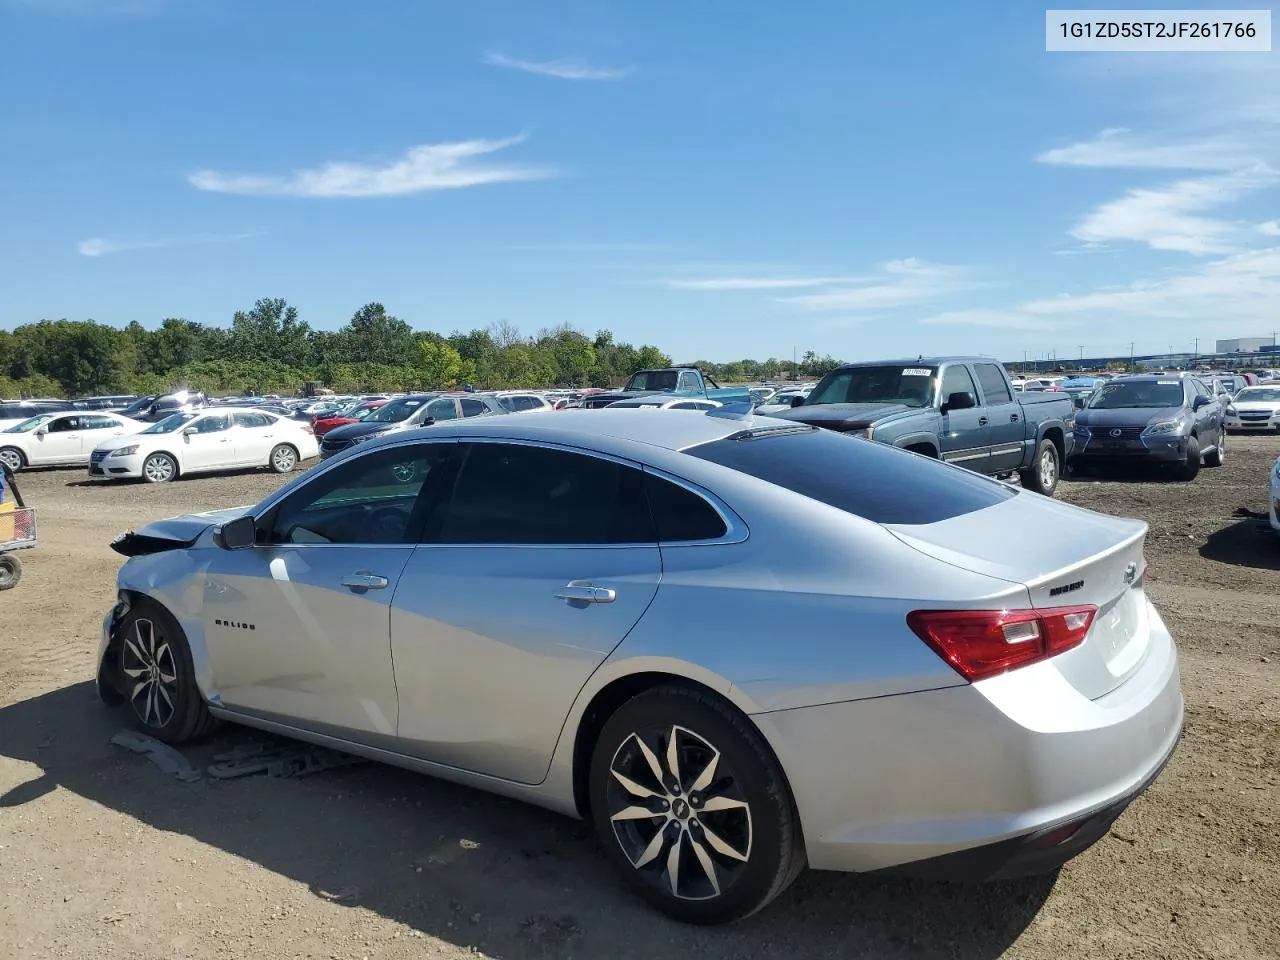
x: 861, y: 477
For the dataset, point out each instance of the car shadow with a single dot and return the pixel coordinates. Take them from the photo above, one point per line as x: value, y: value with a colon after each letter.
x: 1144, y: 472
x: 1249, y: 542
x: 477, y: 870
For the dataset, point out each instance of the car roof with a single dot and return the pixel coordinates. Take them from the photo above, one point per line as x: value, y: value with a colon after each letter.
x: 918, y: 361
x: 605, y: 430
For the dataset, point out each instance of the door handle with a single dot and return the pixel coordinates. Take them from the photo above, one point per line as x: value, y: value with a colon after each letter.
x: 1013, y: 418
x: 983, y: 421
x: 365, y: 581
x: 577, y: 592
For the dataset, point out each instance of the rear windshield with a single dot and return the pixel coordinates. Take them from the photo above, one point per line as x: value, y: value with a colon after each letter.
x: 867, y: 479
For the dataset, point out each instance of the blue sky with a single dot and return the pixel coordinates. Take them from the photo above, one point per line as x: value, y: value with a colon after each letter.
x: 721, y: 179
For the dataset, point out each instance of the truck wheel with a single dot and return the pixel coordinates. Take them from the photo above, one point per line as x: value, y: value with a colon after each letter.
x: 1044, y: 472
x: 1191, y: 465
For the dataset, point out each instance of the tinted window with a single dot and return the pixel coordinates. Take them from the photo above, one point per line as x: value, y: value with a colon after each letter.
x: 858, y: 476
x: 472, y: 408
x: 653, y: 380
x: 912, y: 386
x: 442, y: 409
x: 214, y: 424
x: 66, y: 424
x: 396, y: 410
x: 513, y: 493
x: 100, y: 423
x: 508, y: 404
x: 17, y: 411
x: 1128, y: 394
x: 994, y: 388
x: 252, y: 420
x: 680, y: 514
x: 956, y: 379
x: 369, y: 499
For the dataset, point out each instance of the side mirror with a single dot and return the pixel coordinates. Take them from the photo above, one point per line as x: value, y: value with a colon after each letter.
x: 797, y: 401
x: 1079, y: 402
x: 960, y: 400
x: 1200, y: 401
x: 42, y: 430
x: 236, y: 534
x: 190, y: 432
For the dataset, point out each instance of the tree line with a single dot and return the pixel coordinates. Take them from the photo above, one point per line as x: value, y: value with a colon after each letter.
x: 269, y: 349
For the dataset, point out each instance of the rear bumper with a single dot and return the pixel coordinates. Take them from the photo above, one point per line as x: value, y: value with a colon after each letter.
x: 986, y: 770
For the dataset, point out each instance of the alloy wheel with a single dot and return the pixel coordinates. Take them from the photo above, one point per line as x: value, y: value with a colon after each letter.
x: 11, y: 459
x: 158, y: 469
x: 1048, y: 470
x: 284, y: 459
x: 679, y: 813
x: 149, y: 663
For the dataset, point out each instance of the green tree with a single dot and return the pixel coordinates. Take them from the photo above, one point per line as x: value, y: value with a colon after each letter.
x: 374, y: 336
x: 271, y: 331
x: 439, y: 364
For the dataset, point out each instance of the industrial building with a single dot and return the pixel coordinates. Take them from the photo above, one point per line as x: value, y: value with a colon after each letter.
x: 1246, y: 345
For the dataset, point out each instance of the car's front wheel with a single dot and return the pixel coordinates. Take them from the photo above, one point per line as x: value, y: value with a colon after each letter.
x: 1189, y: 469
x: 159, y: 683
x: 159, y: 468
x: 692, y: 806
x: 12, y: 458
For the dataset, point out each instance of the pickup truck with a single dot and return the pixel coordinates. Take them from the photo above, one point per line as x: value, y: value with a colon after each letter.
x: 958, y: 409
x: 669, y: 381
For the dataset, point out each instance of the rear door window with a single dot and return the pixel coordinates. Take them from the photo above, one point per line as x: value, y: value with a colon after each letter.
x: 994, y: 388
x: 858, y: 476
x: 525, y: 494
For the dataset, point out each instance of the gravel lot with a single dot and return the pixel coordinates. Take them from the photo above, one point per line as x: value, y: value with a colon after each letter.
x: 102, y: 855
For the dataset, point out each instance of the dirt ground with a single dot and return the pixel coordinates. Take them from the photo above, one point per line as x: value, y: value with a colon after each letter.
x: 102, y: 855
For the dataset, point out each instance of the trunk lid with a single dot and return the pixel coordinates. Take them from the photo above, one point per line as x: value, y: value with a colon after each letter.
x: 1064, y: 556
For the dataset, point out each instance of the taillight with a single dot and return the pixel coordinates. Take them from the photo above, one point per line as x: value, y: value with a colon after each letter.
x: 984, y: 643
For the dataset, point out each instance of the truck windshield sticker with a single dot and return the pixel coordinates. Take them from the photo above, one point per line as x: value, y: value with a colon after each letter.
x: 917, y: 372
x: 1171, y: 383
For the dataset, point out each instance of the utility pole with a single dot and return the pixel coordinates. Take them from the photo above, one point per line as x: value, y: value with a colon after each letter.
x: 1081, y: 353
x: 1131, y: 353
x: 1197, y: 348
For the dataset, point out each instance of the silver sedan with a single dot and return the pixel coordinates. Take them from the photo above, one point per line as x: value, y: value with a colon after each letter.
x: 738, y: 646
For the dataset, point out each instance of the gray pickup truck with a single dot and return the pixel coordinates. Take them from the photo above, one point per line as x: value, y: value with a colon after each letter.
x: 959, y: 409
x: 669, y: 381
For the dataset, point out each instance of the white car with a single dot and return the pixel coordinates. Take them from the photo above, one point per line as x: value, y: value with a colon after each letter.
x: 1273, y: 501
x: 1254, y: 408
x: 61, y: 439
x: 206, y: 441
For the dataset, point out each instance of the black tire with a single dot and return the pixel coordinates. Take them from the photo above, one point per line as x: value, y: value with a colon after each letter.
x: 13, y: 457
x: 1190, y: 467
x: 159, y: 468
x: 1214, y: 459
x: 10, y: 571
x: 755, y: 810
x: 153, y: 648
x: 284, y: 458
x: 1045, y: 471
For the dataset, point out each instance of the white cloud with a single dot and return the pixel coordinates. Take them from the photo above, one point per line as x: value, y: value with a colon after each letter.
x: 756, y: 283
x: 561, y: 69
x: 104, y: 246
x: 1220, y: 296
x: 1170, y: 217
x: 440, y: 166
x: 1271, y: 228
x: 1118, y: 148
x: 902, y: 282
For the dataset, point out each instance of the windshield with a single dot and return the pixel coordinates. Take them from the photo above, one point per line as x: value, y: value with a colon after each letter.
x: 170, y: 424
x: 26, y: 426
x: 395, y: 411
x: 1259, y: 395
x: 653, y: 380
x: 911, y: 386
x: 1145, y: 393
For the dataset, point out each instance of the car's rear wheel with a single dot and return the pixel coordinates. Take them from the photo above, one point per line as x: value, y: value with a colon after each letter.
x: 10, y: 571
x: 283, y: 459
x: 159, y: 468
x: 12, y: 458
x: 692, y: 807
x: 1043, y: 475
x: 1190, y: 467
x: 1215, y: 459
x: 159, y: 683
